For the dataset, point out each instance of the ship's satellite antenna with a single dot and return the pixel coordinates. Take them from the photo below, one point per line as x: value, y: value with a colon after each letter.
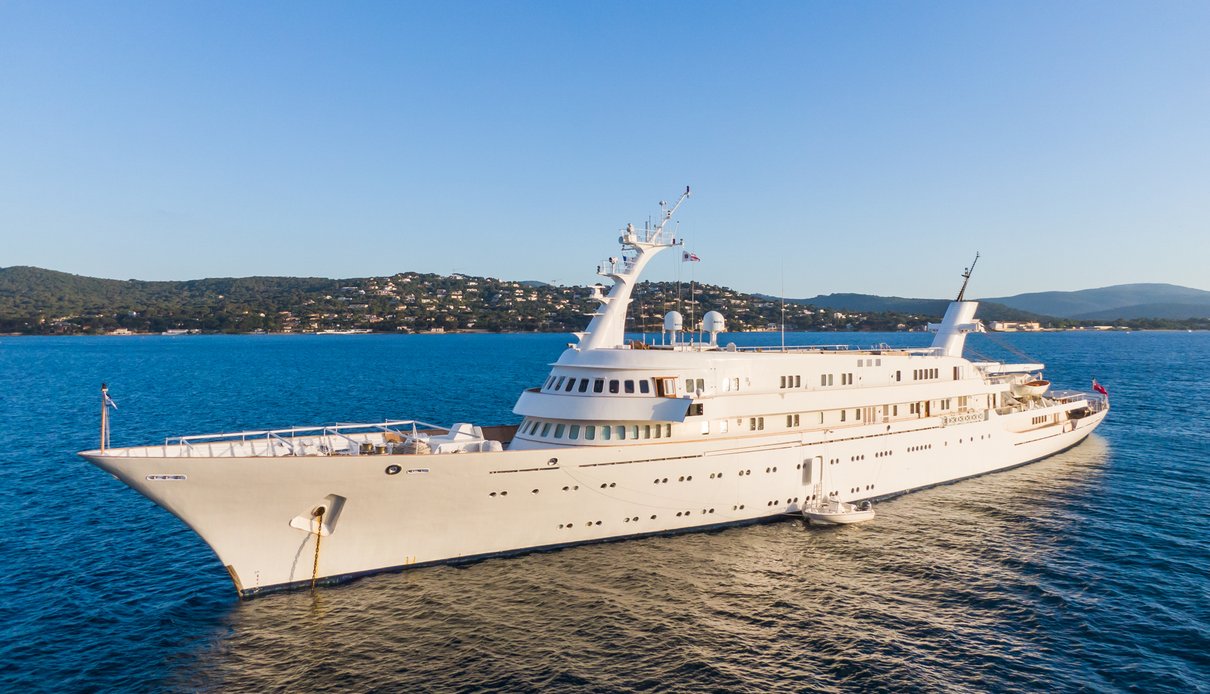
x: 966, y: 277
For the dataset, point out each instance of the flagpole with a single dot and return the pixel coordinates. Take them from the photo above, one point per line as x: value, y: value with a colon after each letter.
x: 104, y: 416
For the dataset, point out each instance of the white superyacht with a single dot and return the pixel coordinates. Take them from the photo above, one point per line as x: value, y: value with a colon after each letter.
x: 623, y: 439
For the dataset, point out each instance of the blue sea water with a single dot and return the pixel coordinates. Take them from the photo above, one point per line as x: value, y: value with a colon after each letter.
x: 1086, y: 571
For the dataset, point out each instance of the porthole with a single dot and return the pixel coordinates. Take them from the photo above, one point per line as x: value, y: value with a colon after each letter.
x: 613, y: 484
x: 393, y: 469
x: 681, y: 478
x: 689, y: 478
x: 492, y: 494
x: 741, y: 507
x: 566, y: 488
x: 534, y: 491
x: 665, y: 480
x: 626, y: 520
x: 560, y: 526
x: 503, y: 493
x: 653, y: 518
x: 603, y: 485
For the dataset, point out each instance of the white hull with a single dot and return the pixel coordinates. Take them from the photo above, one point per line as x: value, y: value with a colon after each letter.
x: 456, y: 509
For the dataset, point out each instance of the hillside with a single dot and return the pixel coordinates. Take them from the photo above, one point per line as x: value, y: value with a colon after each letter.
x: 926, y: 307
x: 37, y: 301
x: 1126, y: 301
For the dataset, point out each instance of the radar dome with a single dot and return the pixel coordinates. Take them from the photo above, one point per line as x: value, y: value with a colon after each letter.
x: 673, y: 322
x: 714, y: 324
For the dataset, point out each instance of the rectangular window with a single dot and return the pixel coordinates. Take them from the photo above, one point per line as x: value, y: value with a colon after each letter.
x: 583, y: 385
x: 598, y: 385
x: 559, y: 429
x: 724, y: 426
x: 646, y: 431
x: 701, y: 385
x: 760, y: 423
x: 559, y: 383
x: 590, y: 433
x: 823, y: 379
x: 659, y: 431
x: 783, y: 381
x: 735, y: 384
x: 752, y: 424
x: 665, y: 387
x: 644, y: 386
x: 548, y: 382
x: 629, y: 385
x: 668, y: 430
x: 897, y: 376
x: 957, y: 372
x: 857, y: 415
x: 895, y: 410
x: 614, y: 385
x: 860, y: 363
x: 606, y: 432
x: 842, y: 414
x: 798, y: 381
x: 688, y: 385
x: 634, y: 431
x: 705, y: 428
x: 571, y: 383
x: 621, y: 431
x: 573, y: 432
x: 545, y: 428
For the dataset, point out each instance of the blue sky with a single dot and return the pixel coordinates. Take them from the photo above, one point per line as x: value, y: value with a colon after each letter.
x: 831, y: 146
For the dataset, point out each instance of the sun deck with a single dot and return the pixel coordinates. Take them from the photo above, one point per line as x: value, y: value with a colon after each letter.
x: 394, y: 437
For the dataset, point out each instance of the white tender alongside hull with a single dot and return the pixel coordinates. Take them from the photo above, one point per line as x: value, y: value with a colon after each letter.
x: 619, y: 442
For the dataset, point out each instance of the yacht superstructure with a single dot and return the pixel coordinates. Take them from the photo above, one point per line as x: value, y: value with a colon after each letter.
x: 622, y: 439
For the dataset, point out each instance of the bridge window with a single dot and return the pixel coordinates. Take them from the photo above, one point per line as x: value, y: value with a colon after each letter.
x: 590, y: 433
x: 614, y: 385
x: 545, y: 428
x: 606, y: 432
x: 629, y: 385
x: 559, y: 383
x: 559, y: 428
x: 583, y: 385
x: 571, y: 383
x: 598, y: 385
x: 644, y: 387
x: 665, y: 387
x: 573, y: 431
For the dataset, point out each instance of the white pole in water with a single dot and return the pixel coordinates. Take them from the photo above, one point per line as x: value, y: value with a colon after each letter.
x: 104, y: 416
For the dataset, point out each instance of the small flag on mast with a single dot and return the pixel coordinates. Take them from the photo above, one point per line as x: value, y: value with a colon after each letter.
x: 108, y: 400
x: 687, y: 257
x: 1099, y: 388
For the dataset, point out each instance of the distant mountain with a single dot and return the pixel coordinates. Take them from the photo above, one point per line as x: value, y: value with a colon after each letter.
x: 988, y: 310
x: 1125, y: 301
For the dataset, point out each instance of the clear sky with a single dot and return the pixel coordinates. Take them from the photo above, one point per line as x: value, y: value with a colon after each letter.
x: 831, y: 146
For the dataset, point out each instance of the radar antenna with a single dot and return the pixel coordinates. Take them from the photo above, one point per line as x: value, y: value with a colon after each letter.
x: 667, y: 214
x: 966, y: 277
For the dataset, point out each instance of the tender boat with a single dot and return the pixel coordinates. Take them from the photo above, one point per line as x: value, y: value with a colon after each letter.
x: 833, y: 512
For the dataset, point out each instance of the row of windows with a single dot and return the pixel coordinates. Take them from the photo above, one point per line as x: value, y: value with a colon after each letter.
x: 925, y: 374
x: 791, y: 381
x: 592, y: 432
x: 589, y: 432
x: 598, y: 385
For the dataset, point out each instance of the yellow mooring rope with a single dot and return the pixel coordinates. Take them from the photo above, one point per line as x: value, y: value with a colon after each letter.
x: 319, y: 521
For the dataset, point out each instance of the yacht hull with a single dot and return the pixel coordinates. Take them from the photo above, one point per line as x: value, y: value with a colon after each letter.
x: 255, y: 512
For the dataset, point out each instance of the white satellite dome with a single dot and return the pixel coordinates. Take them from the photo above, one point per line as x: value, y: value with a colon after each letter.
x: 674, y: 322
